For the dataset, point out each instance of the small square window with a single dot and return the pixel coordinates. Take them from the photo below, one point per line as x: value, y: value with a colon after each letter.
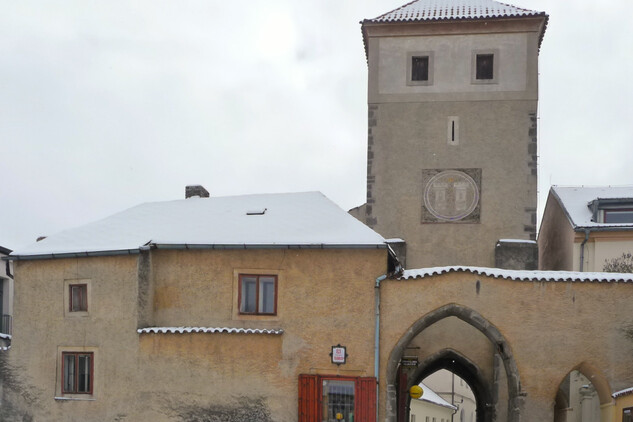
x: 485, y: 66
x: 78, y: 294
x: 419, y: 68
x: 77, y: 370
x: 258, y: 294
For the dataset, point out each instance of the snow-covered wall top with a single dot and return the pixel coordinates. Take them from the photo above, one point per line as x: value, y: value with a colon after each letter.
x: 520, y: 275
x: 307, y: 219
x: 575, y: 201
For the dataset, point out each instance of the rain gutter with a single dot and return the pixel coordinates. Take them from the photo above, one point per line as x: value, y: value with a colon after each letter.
x: 582, y: 249
x: 186, y: 246
x: 71, y: 255
x: 377, y: 338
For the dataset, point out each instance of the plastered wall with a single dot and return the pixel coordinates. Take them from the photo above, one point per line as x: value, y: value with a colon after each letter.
x: 325, y: 298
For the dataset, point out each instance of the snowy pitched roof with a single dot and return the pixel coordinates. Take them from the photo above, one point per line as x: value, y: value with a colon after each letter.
x: 520, y: 275
x: 303, y: 220
x: 434, y: 10
x: 575, y: 202
x: 431, y: 396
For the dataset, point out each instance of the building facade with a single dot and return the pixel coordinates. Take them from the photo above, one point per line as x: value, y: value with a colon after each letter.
x: 585, y: 228
x: 186, y: 329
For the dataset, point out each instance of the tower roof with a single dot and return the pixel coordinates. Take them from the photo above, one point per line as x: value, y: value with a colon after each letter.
x: 434, y: 10
x: 430, y: 11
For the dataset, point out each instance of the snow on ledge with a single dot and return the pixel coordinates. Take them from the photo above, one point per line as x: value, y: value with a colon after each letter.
x: 532, y: 242
x: 519, y: 275
x: 182, y: 330
x: 7, y: 336
x: 4, y: 349
x: 624, y: 392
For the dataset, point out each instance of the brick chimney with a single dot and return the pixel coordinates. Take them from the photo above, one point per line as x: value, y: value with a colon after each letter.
x: 196, y: 190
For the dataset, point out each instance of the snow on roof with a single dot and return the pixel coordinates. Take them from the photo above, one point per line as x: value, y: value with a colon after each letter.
x: 519, y: 275
x: 433, y: 10
x: 575, y: 200
x: 182, y: 330
x: 307, y: 219
x: 431, y: 396
x: 625, y: 392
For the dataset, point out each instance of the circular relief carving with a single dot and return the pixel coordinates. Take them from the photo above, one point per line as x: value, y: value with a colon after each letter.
x: 451, y: 195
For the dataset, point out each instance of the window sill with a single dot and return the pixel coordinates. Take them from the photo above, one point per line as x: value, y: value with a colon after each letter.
x: 75, y: 398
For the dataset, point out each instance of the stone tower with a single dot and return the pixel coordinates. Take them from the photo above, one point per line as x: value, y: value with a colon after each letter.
x: 452, y: 150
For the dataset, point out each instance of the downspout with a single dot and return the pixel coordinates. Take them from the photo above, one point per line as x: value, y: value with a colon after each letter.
x: 582, y: 250
x: 377, y: 339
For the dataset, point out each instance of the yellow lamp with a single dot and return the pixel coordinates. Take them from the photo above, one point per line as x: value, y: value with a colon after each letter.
x: 416, y: 392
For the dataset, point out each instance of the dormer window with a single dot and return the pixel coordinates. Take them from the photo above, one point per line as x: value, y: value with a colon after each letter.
x: 612, y: 211
x: 616, y: 215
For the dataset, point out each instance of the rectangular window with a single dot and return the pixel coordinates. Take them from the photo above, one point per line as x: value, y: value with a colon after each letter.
x: 337, y: 400
x: 419, y: 68
x: 78, y: 297
x: 324, y: 398
x: 258, y: 294
x: 77, y: 370
x: 627, y: 414
x: 485, y: 66
x: 618, y: 216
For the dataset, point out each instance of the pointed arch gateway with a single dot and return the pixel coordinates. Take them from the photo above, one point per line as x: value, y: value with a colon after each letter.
x: 473, y: 318
x: 461, y: 366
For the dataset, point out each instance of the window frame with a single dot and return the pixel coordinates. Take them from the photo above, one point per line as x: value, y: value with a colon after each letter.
x: 495, y: 67
x: 606, y: 211
x: 84, y: 297
x: 76, y: 354
x: 431, y: 62
x: 311, y: 396
x: 241, y: 276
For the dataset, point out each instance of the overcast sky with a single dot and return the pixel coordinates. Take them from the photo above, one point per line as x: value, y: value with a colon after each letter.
x: 104, y: 105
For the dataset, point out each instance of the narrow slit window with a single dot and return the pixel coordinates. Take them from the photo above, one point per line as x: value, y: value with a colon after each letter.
x: 452, y: 135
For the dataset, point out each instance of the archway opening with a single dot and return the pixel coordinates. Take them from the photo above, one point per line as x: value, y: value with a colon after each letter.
x: 455, y: 391
x: 461, y: 341
x: 580, y: 396
x: 458, y: 382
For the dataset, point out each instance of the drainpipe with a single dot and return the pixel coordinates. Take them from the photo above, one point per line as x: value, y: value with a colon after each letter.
x: 582, y: 250
x: 377, y: 339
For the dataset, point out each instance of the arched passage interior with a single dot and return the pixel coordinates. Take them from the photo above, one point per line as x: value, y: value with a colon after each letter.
x: 474, y: 319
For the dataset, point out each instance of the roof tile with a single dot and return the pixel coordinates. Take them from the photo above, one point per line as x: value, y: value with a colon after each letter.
x: 433, y: 10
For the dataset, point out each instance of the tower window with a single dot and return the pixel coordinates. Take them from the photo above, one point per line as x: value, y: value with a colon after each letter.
x: 420, y: 68
x: 485, y: 68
